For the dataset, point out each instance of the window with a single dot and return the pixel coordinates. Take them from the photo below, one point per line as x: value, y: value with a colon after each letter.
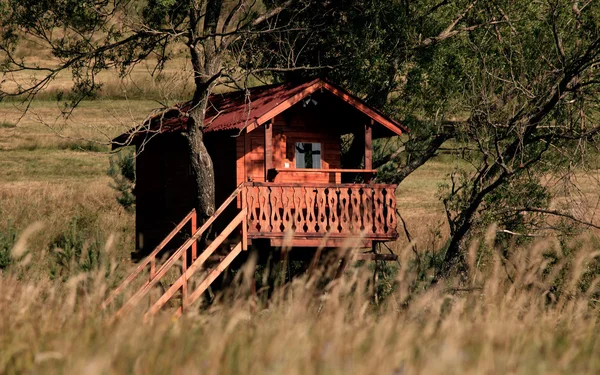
x: 308, y: 155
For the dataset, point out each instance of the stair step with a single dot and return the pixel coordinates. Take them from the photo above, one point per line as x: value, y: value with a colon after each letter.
x: 218, y: 255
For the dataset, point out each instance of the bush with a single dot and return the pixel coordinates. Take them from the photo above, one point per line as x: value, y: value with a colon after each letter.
x: 74, y: 251
x: 7, y: 241
x: 122, y: 171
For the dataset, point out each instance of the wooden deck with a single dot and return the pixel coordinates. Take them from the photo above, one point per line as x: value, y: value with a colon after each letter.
x: 313, y: 211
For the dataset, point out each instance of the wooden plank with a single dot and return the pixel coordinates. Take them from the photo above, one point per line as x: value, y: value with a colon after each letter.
x: 150, y: 259
x: 319, y: 242
x: 184, y: 283
x: 245, y: 233
x: 214, y: 274
x: 196, y: 265
x: 336, y: 236
x: 145, y: 288
x: 328, y: 170
x: 195, y: 244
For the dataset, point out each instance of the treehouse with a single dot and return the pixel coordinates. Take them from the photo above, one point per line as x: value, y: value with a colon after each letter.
x: 298, y: 183
x: 280, y: 174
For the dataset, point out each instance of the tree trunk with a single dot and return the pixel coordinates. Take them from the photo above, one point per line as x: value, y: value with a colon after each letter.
x: 201, y: 163
x: 206, y: 64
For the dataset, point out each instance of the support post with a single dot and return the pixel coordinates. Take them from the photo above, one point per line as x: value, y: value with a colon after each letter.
x: 184, y: 291
x: 195, y: 244
x: 369, y: 150
x: 268, y: 148
x: 152, y: 268
x: 245, y: 220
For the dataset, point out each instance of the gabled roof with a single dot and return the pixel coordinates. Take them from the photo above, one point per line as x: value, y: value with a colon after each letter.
x: 248, y: 109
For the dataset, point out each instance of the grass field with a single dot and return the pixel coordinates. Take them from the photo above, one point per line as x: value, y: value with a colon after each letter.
x: 505, y: 319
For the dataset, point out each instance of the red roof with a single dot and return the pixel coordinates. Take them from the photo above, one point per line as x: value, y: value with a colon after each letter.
x: 250, y: 108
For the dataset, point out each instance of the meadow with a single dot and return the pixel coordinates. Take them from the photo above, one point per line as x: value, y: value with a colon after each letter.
x: 65, y: 241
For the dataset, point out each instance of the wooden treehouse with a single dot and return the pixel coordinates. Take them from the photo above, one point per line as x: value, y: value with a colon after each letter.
x: 280, y: 175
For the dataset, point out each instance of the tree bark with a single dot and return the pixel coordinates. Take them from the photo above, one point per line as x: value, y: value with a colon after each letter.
x: 206, y: 61
x: 202, y: 165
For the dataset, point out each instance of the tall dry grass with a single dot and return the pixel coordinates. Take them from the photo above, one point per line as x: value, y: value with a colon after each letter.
x: 535, y: 311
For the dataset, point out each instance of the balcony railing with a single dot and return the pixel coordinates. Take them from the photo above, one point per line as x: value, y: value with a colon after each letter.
x: 313, y: 210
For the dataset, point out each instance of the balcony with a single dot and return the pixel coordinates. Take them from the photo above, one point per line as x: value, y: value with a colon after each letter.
x: 314, y: 211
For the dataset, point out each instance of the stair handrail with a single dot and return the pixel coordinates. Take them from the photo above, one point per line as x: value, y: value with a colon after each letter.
x: 151, y: 258
x: 181, y: 282
x: 143, y: 290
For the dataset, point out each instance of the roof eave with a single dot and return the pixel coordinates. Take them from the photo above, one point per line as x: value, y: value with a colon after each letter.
x: 376, y: 116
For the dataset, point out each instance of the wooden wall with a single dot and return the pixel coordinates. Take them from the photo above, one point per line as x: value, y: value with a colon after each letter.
x: 298, y: 124
x: 166, y: 189
x: 222, y: 148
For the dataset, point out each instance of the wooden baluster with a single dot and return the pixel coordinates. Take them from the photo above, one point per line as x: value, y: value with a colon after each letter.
x: 333, y: 220
x: 311, y: 217
x: 276, y: 206
x: 378, y: 217
x: 367, y: 210
x: 318, y: 196
x: 391, y: 211
x: 299, y: 203
x: 355, y: 203
x: 264, y: 211
x: 344, y: 202
x: 322, y: 209
x: 288, y: 205
x: 249, y: 203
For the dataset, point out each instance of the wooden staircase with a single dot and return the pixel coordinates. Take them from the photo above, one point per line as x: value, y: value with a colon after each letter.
x: 186, y: 257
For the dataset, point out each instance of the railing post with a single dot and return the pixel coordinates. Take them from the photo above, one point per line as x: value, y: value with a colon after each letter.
x: 245, y: 230
x: 184, y: 279
x: 245, y: 219
x: 152, y: 273
x: 195, y: 244
x: 152, y: 267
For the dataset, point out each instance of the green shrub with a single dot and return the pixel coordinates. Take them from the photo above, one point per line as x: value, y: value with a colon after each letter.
x: 7, y: 241
x: 122, y: 171
x: 75, y: 250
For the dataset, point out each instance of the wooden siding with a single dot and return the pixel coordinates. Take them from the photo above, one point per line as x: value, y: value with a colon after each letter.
x: 288, y: 129
x: 165, y: 190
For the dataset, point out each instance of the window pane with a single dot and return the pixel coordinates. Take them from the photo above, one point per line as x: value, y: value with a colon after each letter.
x: 308, y: 155
x: 316, y: 155
x: 300, y: 155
